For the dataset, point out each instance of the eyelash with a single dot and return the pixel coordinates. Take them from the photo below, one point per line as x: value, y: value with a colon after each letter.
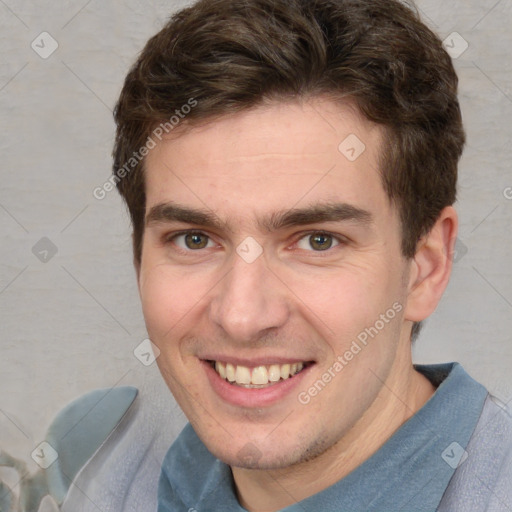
x: 341, y: 240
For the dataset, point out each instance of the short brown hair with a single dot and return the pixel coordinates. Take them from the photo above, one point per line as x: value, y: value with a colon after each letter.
x: 232, y: 55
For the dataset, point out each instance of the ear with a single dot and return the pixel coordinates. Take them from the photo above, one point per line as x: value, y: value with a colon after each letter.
x: 431, y: 267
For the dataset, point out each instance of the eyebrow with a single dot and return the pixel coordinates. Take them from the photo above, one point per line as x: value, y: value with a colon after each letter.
x: 323, y: 212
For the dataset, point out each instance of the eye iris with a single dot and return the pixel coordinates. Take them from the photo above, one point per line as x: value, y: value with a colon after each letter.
x: 320, y: 240
x: 195, y: 240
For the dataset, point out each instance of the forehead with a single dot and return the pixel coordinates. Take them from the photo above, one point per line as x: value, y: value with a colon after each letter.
x: 270, y: 158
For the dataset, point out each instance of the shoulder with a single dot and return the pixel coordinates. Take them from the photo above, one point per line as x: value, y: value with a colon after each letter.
x: 483, y: 480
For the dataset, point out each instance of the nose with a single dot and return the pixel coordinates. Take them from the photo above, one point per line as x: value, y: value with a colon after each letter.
x: 249, y: 301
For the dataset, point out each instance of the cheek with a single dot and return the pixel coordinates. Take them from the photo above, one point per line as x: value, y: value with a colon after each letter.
x: 166, y: 299
x: 345, y: 300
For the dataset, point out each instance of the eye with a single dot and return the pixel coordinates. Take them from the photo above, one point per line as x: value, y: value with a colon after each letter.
x: 319, y: 241
x: 191, y: 240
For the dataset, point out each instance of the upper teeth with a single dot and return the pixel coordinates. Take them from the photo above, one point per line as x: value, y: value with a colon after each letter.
x: 260, y: 375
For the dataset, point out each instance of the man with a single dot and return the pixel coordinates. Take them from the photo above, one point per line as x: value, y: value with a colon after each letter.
x: 290, y: 169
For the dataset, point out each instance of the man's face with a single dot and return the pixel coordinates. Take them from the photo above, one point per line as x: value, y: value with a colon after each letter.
x: 210, y: 296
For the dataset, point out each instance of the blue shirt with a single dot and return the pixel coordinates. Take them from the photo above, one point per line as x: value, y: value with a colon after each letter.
x: 410, y: 472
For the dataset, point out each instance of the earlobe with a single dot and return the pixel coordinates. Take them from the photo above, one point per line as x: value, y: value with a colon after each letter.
x: 431, y: 267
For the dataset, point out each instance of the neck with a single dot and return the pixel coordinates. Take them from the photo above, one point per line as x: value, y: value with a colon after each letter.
x: 405, y: 392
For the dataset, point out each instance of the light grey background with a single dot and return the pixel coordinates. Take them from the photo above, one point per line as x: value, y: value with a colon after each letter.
x: 71, y: 324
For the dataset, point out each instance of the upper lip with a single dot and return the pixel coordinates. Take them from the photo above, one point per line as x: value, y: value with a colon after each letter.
x: 255, y: 361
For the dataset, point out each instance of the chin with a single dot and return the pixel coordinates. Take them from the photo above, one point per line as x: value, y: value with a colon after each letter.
x: 270, y: 453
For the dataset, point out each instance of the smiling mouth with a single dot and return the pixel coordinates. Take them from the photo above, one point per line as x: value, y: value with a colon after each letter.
x: 259, y: 376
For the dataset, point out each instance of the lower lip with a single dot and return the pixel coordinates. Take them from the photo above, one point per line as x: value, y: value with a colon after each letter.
x: 253, y: 397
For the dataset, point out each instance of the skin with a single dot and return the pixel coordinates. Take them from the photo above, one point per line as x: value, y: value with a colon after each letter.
x: 295, y: 301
